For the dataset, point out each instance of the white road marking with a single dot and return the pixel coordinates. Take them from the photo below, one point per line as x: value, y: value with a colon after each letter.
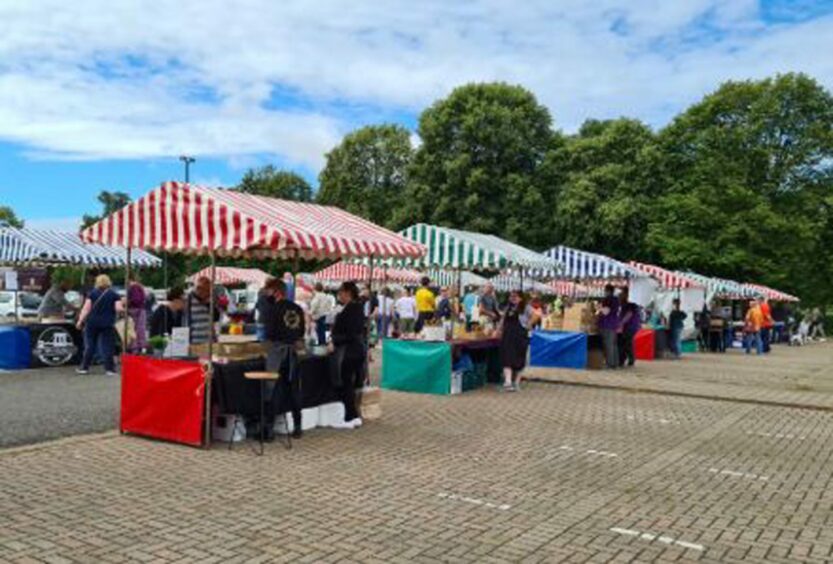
x: 777, y: 435
x: 660, y: 420
x: 590, y: 451
x: 650, y: 537
x: 474, y: 501
x: 739, y: 474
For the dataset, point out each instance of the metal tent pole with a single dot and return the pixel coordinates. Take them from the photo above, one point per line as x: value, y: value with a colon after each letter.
x: 209, y: 370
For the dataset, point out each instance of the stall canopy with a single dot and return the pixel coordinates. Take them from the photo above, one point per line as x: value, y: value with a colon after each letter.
x: 230, y: 276
x: 343, y: 271
x: 449, y: 278
x: 185, y: 218
x: 507, y: 283
x: 454, y: 248
x: 668, y: 279
x: 772, y: 294
x: 718, y: 287
x: 581, y: 265
x: 590, y: 289
x: 36, y: 246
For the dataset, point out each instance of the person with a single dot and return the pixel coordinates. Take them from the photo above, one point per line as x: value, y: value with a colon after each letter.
x: 517, y: 319
x: 704, y: 325
x: 406, y: 312
x: 538, y: 307
x: 98, y: 321
x: 489, y: 311
x: 264, y: 296
x: 676, y: 321
x: 443, y: 305
x: 284, y: 327
x: 348, y: 345
x: 608, y: 317
x: 169, y: 314
x: 136, y: 304
x: 767, y: 325
x: 817, y: 325
x: 319, y: 309
x: 425, y: 303
x: 289, y: 281
x: 384, y: 314
x: 471, y: 301
x: 629, y: 325
x: 198, y: 312
x: 55, y: 302
x: 754, y: 321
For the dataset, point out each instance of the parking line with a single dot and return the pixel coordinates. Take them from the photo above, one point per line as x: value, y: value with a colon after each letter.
x: 651, y: 537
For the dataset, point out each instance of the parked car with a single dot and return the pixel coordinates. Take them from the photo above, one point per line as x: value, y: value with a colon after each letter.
x: 27, y: 305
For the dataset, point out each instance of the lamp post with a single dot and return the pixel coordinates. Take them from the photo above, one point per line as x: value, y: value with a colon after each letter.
x: 187, y: 160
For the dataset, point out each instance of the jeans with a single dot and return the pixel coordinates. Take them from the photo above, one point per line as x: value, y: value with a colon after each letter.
x: 609, y: 338
x: 675, y: 342
x: 383, y: 323
x: 321, y: 329
x: 626, y: 352
x: 766, y: 334
x: 103, y: 340
x: 749, y: 339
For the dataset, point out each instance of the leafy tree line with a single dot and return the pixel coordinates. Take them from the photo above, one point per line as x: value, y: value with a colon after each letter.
x: 739, y: 185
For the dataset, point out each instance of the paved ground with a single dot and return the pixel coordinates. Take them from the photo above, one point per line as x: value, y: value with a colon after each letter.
x: 789, y: 376
x: 37, y: 405
x: 555, y: 473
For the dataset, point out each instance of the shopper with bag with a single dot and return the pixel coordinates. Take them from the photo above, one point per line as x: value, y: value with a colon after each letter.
x: 98, y: 321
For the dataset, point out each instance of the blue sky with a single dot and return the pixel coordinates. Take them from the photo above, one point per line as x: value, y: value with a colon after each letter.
x: 97, y: 95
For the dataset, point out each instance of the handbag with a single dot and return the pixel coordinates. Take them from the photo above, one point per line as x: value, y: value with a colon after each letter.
x: 93, y: 308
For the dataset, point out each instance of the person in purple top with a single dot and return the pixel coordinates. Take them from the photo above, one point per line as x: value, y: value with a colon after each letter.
x: 609, y: 327
x: 630, y: 322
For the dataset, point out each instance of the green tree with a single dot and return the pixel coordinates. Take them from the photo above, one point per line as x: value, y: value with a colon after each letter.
x: 8, y: 218
x: 367, y: 173
x: 605, y: 187
x: 748, y: 171
x: 269, y: 181
x: 111, y: 202
x: 477, y: 166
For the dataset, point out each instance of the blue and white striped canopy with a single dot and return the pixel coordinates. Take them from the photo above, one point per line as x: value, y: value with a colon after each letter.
x: 36, y: 246
x: 581, y: 265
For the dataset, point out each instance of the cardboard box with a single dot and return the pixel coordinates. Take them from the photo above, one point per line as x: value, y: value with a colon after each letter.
x: 370, y: 403
x: 581, y: 318
x: 595, y: 359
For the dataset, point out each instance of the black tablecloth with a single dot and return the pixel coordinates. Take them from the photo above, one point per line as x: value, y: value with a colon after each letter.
x: 233, y: 393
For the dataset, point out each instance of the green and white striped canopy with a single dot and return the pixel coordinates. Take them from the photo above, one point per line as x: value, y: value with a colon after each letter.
x: 454, y: 248
x: 722, y: 288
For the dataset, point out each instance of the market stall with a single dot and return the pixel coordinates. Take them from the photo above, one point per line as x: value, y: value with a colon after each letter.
x: 184, y: 218
x: 333, y: 275
x: 232, y: 276
x: 52, y: 342
x: 451, y: 357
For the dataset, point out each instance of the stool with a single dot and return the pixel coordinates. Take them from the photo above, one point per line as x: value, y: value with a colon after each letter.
x: 264, y: 377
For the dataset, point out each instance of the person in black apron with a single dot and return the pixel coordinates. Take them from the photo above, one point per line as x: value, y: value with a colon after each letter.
x: 349, y: 348
x: 514, y: 340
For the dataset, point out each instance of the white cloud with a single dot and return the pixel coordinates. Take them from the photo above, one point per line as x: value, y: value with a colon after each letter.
x: 94, y: 79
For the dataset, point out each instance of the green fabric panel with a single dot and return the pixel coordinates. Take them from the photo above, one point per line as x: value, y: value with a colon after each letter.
x: 689, y: 347
x: 415, y: 366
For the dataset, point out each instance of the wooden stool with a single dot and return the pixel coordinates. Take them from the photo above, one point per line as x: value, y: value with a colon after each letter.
x: 264, y: 377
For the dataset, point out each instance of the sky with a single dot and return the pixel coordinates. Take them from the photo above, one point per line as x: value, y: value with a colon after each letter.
x: 100, y: 95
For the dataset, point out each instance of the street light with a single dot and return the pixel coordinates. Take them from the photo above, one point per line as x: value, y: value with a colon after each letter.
x: 187, y: 160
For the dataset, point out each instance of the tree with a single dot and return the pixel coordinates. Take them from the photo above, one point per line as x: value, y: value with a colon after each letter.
x: 111, y: 203
x: 269, y: 181
x: 605, y: 187
x: 8, y: 218
x: 367, y: 173
x: 748, y: 170
x: 476, y: 168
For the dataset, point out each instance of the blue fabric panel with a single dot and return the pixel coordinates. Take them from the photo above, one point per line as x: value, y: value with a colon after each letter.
x: 558, y: 349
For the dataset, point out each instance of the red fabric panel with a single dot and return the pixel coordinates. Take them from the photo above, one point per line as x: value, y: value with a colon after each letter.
x: 644, y: 344
x: 163, y: 399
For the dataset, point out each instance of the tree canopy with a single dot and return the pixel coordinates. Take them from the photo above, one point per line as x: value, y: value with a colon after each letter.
x: 274, y: 183
x: 8, y: 218
x: 366, y: 173
x: 111, y: 202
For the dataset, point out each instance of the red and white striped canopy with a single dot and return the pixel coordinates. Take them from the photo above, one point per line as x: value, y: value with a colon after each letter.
x: 585, y: 289
x: 666, y: 278
x: 772, y: 294
x: 185, y: 218
x: 342, y: 272
x: 229, y: 275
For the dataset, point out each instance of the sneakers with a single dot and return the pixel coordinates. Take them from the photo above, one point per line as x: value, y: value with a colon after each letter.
x: 111, y: 373
x: 352, y: 424
x: 81, y: 371
x: 356, y: 423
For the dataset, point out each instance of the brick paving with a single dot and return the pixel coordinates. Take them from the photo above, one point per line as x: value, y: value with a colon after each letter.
x: 555, y: 473
x: 789, y: 376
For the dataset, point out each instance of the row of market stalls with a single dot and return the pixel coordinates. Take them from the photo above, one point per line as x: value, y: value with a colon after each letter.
x: 188, y: 219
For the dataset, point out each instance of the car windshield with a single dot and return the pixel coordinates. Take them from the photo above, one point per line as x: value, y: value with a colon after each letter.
x: 5, y: 298
x: 30, y: 301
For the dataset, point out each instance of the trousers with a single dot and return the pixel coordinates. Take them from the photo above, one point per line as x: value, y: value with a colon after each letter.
x: 102, y: 340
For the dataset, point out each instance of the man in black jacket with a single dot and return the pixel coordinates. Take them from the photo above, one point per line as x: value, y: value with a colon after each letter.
x: 283, y: 322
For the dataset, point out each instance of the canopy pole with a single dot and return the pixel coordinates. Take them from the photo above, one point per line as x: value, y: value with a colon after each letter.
x: 370, y: 276
x: 522, y: 280
x: 210, y: 367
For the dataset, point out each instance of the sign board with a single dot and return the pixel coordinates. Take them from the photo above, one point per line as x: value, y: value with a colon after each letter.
x: 178, y: 345
x: 10, y: 281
